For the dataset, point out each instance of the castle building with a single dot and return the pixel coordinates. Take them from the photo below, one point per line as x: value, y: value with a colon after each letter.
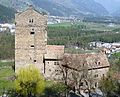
x: 31, y: 41
x: 31, y: 48
x: 30, y: 38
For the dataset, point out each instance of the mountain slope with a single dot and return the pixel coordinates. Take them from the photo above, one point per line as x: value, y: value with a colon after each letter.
x: 84, y: 6
x: 61, y: 7
x: 16, y: 4
x: 54, y: 8
x: 6, y: 14
x: 71, y: 7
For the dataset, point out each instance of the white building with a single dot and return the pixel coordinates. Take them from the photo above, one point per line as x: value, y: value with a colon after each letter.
x: 4, y: 27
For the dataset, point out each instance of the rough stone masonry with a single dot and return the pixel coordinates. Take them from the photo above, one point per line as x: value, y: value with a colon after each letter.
x: 30, y: 38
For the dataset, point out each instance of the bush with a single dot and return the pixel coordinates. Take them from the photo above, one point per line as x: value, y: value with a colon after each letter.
x: 29, y: 82
x: 108, y: 86
x: 55, y: 89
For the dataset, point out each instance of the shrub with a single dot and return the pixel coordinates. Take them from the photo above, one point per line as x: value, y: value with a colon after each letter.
x: 29, y: 82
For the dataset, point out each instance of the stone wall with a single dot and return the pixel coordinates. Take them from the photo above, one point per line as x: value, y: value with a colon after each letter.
x: 30, y: 38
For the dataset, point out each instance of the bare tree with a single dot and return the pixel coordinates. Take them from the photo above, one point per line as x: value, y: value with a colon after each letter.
x: 72, y: 71
x: 76, y: 71
x: 65, y: 67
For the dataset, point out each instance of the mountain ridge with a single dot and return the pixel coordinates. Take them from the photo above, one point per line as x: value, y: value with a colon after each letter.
x: 60, y: 7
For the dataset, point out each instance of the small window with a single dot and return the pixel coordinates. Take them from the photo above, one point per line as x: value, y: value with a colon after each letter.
x: 55, y: 63
x: 35, y: 61
x: 32, y: 32
x: 32, y: 21
x: 96, y: 75
x: 56, y: 70
x: 98, y: 63
x: 48, y: 62
x: 32, y: 45
x: 29, y: 20
x: 96, y: 84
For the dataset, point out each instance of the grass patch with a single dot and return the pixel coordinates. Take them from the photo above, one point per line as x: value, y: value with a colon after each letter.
x: 6, y: 72
x: 6, y: 64
x: 60, y: 24
x: 89, y: 26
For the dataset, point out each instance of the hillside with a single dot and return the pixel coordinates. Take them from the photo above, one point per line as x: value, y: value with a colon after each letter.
x: 61, y: 7
x: 6, y: 14
x: 86, y: 7
x: 16, y: 4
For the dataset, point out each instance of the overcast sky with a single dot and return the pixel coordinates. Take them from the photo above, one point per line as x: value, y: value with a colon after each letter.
x: 110, y: 5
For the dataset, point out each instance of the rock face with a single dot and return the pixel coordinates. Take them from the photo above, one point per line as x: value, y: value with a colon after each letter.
x: 30, y: 38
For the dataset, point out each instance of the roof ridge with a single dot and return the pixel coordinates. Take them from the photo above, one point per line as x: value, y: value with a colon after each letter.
x: 31, y: 7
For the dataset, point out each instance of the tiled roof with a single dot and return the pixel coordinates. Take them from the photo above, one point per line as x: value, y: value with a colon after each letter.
x: 90, y: 61
x: 54, y: 51
x: 55, y: 47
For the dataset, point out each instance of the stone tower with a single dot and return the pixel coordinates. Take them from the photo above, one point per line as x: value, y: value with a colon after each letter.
x: 30, y: 38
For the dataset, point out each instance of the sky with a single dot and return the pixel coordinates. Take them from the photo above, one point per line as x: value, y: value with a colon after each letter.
x: 110, y: 5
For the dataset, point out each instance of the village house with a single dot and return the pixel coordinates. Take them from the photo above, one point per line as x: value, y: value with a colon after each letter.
x: 2, y: 29
x: 6, y: 26
x: 90, y: 67
x: 31, y: 48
